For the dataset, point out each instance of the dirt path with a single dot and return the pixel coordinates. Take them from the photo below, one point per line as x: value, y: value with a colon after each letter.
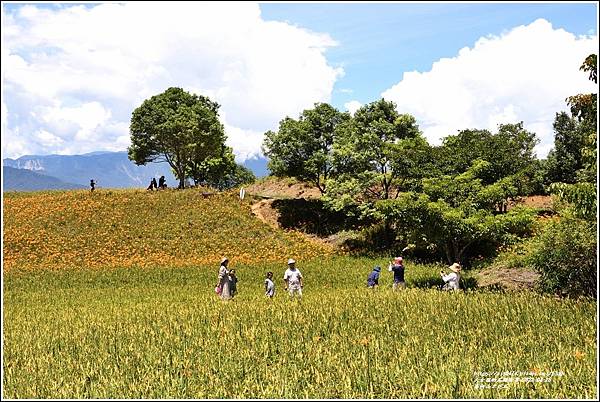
x: 265, y: 212
x: 508, y: 278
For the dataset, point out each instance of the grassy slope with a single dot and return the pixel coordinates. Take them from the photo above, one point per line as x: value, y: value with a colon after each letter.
x: 130, y: 330
x: 123, y: 228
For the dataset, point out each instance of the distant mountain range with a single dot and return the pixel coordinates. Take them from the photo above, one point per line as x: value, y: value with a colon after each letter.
x: 27, y: 180
x: 108, y: 169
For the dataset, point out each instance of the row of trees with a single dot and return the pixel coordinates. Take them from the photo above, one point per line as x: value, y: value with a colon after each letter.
x: 565, y: 253
x: 377, y: 166
x: 184, y: 130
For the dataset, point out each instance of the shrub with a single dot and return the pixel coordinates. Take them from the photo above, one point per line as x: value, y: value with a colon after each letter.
x: 565, y: 256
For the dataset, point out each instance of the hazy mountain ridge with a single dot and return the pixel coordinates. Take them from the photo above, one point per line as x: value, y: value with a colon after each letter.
x: 108, y: 169
x: 29, y: 180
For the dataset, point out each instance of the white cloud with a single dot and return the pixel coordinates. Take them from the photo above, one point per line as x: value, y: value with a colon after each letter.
x: 352, y: 106
x: 82, y: 70
x: 523, y: 75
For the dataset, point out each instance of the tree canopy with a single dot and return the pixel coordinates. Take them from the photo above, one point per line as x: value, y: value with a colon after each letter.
x: 179, y: 128
x: 303, y: 148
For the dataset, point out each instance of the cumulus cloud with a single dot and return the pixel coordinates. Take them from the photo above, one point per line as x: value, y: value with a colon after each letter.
x: 352, y: 106
x: 524, y: 75
x: 73, y: 75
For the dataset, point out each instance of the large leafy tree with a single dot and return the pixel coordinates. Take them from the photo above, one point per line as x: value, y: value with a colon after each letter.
x: 565, y: 159
x: 456, y: 213
x: 221, y: 172
x: 509, y: 151
x: 377, y: 153
x: 178, y: 128
x: 303, y: 148
x: 574, y: 157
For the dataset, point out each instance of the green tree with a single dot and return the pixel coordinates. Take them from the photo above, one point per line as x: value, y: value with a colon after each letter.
x: 376, y: 154
x: 303, y: 148
x: 458, y: 213
x: 565, y: 159
x: 565, y: 253
x: 178, y: 128
x: 224, y: 173
x: 509, y: 151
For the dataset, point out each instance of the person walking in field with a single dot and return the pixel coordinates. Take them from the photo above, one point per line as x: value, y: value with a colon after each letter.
x: 223, y: 287
x: 269, y: 285
x: 397, y: 267
x: 293, y: 279
x: 92, y: 185
x: 451, y: 280
x: 373, y: 278
x: 233, y: 280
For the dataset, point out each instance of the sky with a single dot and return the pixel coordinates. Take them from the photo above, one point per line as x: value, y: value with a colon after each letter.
x: 73, y: 73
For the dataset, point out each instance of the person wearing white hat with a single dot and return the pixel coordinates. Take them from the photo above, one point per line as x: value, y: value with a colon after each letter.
x: 451, y: 280
x: 293, y: 279
x: 223, y: 287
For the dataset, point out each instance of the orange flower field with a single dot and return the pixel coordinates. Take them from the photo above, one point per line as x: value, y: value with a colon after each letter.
x: 125, y: 228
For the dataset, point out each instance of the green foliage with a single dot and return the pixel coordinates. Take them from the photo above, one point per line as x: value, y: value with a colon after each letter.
x: 566, y: 158
x: 565, y: 255
x: 376, y: 154
x: 179, y: 128
x: 580, y: 199
x: 436, y: 224
x: 508, y: 152
x: 303, y: 148
x: 221, y: 172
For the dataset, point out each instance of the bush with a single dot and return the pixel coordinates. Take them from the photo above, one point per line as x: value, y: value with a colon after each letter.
x: 565, y: 256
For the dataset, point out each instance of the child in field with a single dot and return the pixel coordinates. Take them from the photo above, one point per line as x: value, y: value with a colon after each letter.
x: 293, y: 279
x: 397, y: 267
x: 373, y: 278
x: 233, y: 280
x: 269, y: 285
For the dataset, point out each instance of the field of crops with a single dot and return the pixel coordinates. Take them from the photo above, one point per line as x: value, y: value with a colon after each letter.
x: 121, y: 329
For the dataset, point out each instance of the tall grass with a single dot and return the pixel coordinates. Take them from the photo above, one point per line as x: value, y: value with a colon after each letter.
x: 161, y: 332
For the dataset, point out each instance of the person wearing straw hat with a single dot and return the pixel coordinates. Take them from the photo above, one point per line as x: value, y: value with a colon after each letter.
x: 397, y: 267
x: 451, y: 280
x: 223, y: 287
x: 293, y: 279
x: 373, y: 278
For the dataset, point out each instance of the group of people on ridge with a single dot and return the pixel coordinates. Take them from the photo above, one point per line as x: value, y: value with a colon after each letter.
x: 226, y: 286
x: 162, y: 184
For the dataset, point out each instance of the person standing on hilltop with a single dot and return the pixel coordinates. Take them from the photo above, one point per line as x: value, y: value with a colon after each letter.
x: 233, y: 280
x: 92, y: 185
x: 152, y: 185
x: 293, y: 279
x: 224, y: 284
x: 162, y: 183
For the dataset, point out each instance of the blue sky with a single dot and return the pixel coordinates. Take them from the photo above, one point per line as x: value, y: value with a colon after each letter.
x: 378, y: 42
x: 73, y: 73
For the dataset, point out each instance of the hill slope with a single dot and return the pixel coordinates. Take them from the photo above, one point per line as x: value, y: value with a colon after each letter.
x: 122, y: 228
x: 27, y: 180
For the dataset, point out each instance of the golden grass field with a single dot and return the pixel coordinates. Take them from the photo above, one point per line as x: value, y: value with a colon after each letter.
x: 110, y: 295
